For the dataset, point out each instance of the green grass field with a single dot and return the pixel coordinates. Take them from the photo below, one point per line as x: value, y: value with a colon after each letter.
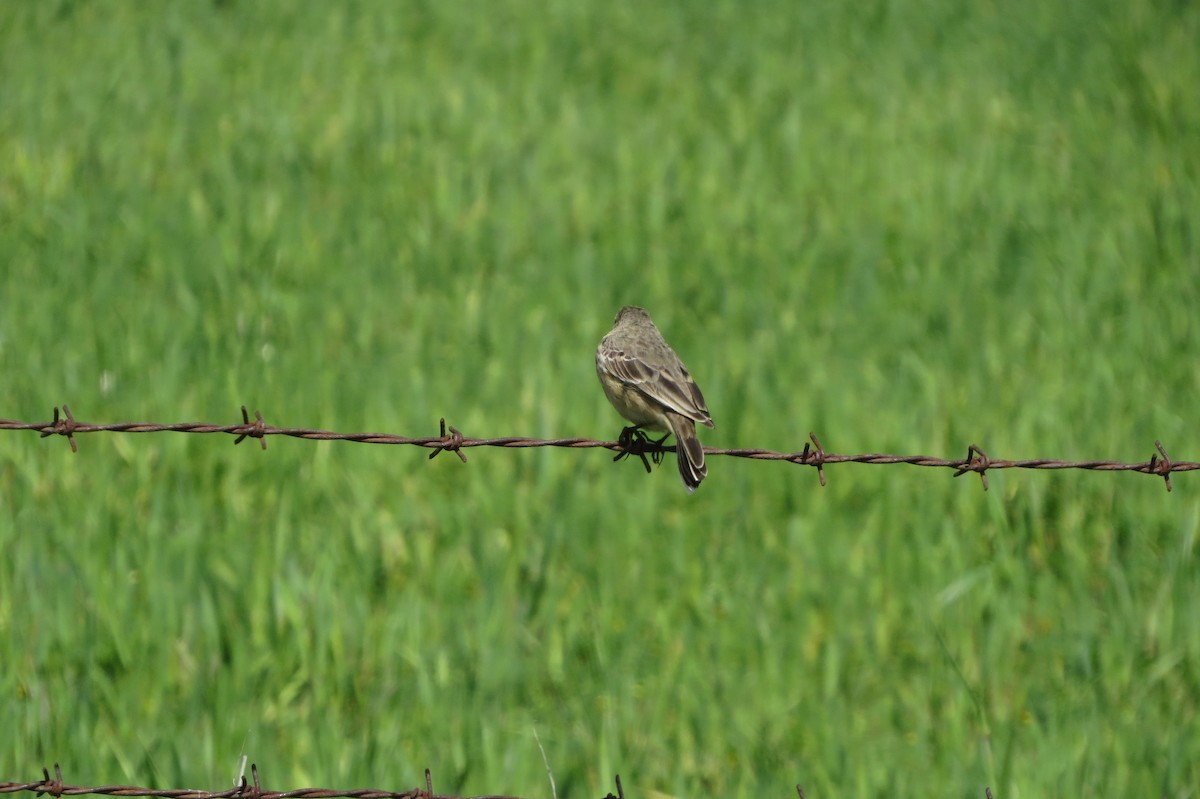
x: 906, y: 226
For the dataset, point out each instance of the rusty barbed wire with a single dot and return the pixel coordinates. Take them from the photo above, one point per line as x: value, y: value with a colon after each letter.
x: 450, y: 439
x: 244, y: 790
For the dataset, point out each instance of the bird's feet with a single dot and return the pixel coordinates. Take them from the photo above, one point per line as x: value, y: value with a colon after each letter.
x: 634, y: 441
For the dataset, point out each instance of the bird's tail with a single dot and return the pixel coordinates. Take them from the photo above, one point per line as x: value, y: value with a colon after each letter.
x: 688, y: 451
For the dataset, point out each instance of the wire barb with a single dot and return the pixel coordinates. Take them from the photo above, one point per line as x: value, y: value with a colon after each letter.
x: 244, y: 790
x: 62, y: 427
x: 256, y: 429
x: 620, y: 790
x: 450, y: 443
x: 1162, y: 467
x: 818, y: 456
x: 977, y: 461
x: 54, y: 787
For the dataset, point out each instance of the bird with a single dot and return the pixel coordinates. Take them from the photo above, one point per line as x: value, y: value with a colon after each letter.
x: 648, y: 384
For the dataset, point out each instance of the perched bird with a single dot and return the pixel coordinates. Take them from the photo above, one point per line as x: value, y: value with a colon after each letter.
x: 648, y: 385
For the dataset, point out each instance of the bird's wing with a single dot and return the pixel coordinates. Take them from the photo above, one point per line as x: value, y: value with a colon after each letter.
x: 668, y: 384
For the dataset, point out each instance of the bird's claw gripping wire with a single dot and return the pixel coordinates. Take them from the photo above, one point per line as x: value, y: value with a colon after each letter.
x: 634, y: 441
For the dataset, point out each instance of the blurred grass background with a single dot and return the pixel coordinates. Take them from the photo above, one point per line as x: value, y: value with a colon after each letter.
x: 905, y: 225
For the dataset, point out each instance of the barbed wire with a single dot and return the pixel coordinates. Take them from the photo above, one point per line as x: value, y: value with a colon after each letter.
x: 631, y: 443
x: 244, y: 790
